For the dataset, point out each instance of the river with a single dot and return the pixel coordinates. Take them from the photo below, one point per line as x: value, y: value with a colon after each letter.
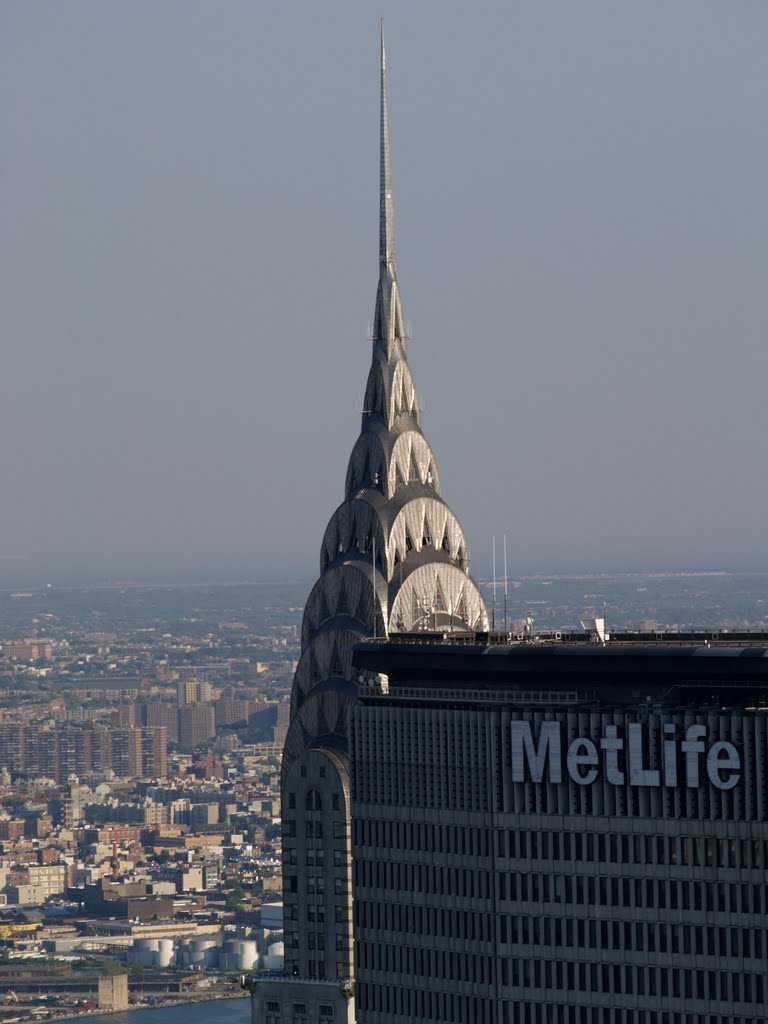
x: 214, y: 1011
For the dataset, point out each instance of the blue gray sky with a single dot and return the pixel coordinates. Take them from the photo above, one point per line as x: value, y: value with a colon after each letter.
x: 188, y: 225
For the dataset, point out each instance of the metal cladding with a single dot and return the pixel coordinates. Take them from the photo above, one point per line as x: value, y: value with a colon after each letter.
x: 393, y: 557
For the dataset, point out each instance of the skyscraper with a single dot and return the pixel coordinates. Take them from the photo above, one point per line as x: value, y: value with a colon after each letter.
x: 562, y: 831
x: 393, y: 559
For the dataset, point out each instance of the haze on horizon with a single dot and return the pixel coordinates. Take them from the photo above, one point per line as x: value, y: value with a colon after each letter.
x: 189, y: 225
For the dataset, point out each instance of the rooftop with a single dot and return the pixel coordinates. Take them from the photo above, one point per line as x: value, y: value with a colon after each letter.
x: 580, y: 667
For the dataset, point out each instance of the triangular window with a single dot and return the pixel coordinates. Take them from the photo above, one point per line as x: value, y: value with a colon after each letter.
x: 342, y: 604
x: 361, y: 612
x: 325, y: 612
x: 426, y: 536
x: 337, y: 669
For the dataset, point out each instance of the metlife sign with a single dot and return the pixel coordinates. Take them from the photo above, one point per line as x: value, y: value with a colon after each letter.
x: 619, y: 757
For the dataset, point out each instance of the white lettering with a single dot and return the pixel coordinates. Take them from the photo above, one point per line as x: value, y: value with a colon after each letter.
x: 639, y: 775
x: 625, y: 760
x: 717, y: 764
x: 692, y: 746
x: 611, y: 744
x: 577, y: 760
x: 670, y: 758
x: 524, y: 748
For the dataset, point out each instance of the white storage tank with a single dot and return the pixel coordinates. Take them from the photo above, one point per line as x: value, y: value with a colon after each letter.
x: 275, y: 958
x: 165, y: 953
x: 240, y: 955
x: 201, y: 953
x: 144, y: 952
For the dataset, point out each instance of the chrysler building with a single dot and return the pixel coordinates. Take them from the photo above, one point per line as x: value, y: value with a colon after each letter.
x: 393, y: 559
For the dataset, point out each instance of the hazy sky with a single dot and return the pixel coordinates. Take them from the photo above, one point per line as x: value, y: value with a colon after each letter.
x: 188, y: 225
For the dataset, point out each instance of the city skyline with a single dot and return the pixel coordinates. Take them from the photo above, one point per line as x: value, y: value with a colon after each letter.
x: 584, y: 267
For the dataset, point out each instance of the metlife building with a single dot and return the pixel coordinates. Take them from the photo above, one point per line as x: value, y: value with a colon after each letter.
x: 562, y: 831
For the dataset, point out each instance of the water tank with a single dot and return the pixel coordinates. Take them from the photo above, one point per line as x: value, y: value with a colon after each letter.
x: 240, y: 955
x: 275, y: 958
x: 144, y: 952
x: 201, y: 953
x: 165, y: 953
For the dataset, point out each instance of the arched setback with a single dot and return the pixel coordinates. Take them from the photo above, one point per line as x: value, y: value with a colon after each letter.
x: 438, y: 597
x: 359, y: 526
x: 318, y: 717
x: 389, y: 391
x: 345, y: 595
x: 317, y: 866
x: 425, y: 523
x: 354, y: 530
x: 384, y: 461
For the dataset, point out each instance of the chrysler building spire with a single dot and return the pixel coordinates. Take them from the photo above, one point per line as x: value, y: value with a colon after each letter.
x: 393, y: 559
x: 386, y: 215
x: 389, y: 326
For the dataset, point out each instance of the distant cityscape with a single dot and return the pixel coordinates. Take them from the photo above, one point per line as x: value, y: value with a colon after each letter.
x: 140, y: 736
x: 141, y: 730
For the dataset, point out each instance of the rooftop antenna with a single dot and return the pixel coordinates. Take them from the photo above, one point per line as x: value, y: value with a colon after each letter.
x: 505, y: 583
x: 493, y: 606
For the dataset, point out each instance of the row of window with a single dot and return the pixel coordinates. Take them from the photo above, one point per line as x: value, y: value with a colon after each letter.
x: 379, y: 1003
x: 297, y: 1013
x: 633, y: 893
x: 410, y: 919
x: 560, y: 931
x: 390, y: 1003
x: 313, y: 829
x: 441, y: 881
x: 561, y: 975
x: 461, y: 783
x: 548, y: 1013
x: 421, y: 837
x: 314, y: 912
x: 314, y: 885
x: 422, y: 963
x: 315, y: 940
x: 639, y: 936
x: 316, y: 969
x: 314, y: 858
x: 628, y: 979
x: 313, y: 801
x: 597, y: 847
x: 633, y: 849
x: 569, y: 890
